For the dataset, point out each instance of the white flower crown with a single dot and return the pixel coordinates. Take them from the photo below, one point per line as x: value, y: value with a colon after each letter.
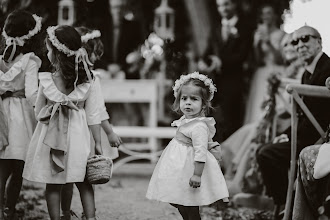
x: 89, y: 36
x: 21, y: 40
x: 195, y: 75
x: 80, y: 54
x: 56, y: 43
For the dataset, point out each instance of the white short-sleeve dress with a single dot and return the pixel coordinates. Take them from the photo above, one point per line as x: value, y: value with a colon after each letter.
x: 40, y: 160
x: 170, y: 179
x: 19, y: 88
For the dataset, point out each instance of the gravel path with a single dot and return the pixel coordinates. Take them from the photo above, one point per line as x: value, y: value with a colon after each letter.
x: 123, y: 198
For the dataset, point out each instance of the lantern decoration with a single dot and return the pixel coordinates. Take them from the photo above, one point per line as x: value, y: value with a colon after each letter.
x: 66, y: 12
x: 164, y: 21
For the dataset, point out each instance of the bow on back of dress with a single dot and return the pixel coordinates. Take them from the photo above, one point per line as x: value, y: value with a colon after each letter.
x: 57, y: 116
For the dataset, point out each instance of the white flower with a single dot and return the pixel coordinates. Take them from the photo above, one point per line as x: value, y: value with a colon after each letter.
x: 195, y: 75
x: 89, y: 36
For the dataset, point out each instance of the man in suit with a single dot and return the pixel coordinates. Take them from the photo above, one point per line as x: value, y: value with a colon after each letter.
x: 224, y: 60
x: 274, y: 158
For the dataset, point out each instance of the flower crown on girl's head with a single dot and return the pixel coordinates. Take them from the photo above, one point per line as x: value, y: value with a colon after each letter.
x: 80, y: 54
x: 56, y: 43
x: 89, y: 36
x: 195, y: 75
x: 20, y: 41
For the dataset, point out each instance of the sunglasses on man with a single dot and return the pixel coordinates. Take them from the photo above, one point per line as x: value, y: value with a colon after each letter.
x: 304, y: 39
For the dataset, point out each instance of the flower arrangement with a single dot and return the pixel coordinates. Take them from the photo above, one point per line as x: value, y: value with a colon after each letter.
x: 195, y: 75
x: 152, y: 47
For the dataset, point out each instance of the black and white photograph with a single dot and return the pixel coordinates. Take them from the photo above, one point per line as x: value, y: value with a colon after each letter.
x: 164, y: 110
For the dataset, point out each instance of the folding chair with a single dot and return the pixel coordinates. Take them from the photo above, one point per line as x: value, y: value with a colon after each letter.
x: 296, y: 91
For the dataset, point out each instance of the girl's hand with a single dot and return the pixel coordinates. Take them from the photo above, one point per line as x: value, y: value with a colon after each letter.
x: 195, y: 181
x: 98, y: 149
x: 114, y: 140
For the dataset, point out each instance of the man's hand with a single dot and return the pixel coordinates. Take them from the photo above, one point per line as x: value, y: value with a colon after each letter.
x: 195, y: 181
x: 214, y: 65
x: 280, y: 139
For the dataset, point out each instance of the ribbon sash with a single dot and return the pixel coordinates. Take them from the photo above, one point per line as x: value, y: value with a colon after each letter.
x: 57, y: 116
x: 212, y: 146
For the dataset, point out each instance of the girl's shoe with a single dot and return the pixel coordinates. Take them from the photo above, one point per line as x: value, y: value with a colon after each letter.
x: 67, y: 215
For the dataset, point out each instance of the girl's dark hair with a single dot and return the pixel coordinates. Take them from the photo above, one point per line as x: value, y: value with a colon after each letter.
x: 17, y: 24
x: 205, y: 95
x: 65, y: 65
x: 93, y: 45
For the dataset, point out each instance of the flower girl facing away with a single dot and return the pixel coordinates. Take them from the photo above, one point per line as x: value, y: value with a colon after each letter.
x: 19, y: 66
x: 187, y: 174
x: 67, y: 109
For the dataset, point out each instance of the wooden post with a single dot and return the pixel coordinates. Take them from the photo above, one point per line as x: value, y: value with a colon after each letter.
x: 294, y: 125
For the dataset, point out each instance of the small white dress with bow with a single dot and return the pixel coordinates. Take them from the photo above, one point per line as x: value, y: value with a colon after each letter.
x: 170, y: 179
x: 62, y: 120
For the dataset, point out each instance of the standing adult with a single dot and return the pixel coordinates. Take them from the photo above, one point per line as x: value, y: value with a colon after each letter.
x: 267, y: 54
x: 224, y: 59
x: 274, y: 158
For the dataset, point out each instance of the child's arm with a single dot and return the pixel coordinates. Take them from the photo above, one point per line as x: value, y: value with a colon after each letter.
x: 199, y: 137
x: 96, y: 132
x: 93, y: 117
x: 114, y: 139
x: 31, y: 80
x: 195, y: 180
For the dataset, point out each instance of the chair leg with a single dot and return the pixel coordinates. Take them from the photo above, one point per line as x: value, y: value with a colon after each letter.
x: 276, y: 212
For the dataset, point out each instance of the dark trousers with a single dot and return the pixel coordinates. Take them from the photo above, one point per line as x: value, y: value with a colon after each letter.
x: 274, y: 162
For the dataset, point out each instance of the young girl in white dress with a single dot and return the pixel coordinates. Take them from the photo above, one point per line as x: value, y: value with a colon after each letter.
x: 67, y: 109
x: 18, y: 90
x: 187, y: 175
x: 110, y: 140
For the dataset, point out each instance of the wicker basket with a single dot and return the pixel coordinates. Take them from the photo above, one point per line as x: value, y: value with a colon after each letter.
x: 99, y: 169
